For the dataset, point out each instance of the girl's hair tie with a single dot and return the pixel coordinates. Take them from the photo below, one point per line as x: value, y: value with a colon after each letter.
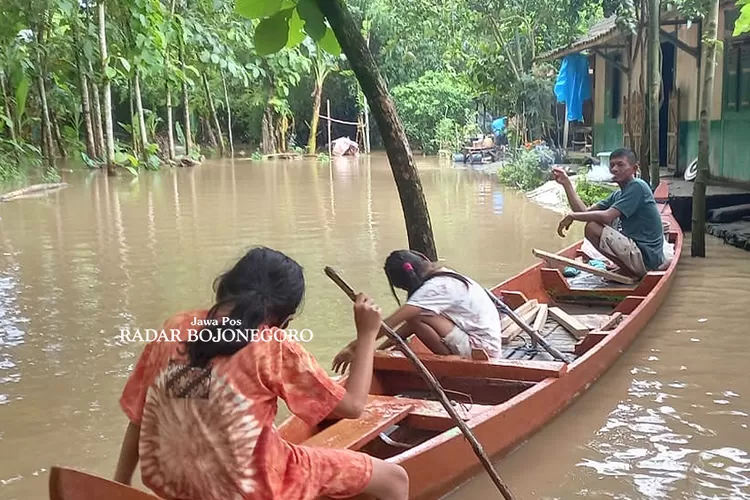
x: 408, y: 267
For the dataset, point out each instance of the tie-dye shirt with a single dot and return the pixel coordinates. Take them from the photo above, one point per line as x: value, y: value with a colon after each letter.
x: 208, y: 434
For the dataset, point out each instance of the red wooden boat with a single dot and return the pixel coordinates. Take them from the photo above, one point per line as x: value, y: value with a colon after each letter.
x: 503, y: 402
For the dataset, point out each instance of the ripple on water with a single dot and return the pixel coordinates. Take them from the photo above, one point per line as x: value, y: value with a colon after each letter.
x: 12, y: 334
x: 651, y: 448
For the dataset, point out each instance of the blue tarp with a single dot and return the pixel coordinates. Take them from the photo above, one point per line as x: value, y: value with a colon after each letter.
x: 573, y: 85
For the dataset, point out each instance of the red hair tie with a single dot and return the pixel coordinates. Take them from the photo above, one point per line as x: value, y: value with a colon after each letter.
x: 408, y: 267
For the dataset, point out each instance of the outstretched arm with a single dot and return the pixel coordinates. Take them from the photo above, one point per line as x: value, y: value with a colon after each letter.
x: 576, y: 204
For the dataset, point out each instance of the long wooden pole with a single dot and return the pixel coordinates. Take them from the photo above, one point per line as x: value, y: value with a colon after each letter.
x: 654, y: 84
x: 435, y: 386
x: 330, y: 143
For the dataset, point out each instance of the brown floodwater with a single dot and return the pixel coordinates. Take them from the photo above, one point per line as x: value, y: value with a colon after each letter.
x: 669, y: 420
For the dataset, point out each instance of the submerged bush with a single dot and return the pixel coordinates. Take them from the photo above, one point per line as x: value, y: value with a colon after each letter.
x: 529, y: 169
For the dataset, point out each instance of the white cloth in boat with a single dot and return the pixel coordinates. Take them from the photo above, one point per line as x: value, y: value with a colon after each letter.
x: 471, y: 310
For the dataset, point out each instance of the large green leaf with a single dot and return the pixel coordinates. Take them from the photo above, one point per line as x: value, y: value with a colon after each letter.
x: 315, y: 25
x: 125, y: 64
x: 257, y: 9
x: 22, y: 91
x: 329, y: 43
x: 272, y: 33
x: 296, y: 33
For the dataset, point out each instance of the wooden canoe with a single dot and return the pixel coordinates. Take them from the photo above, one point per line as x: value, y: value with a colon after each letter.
x: 504, y: 402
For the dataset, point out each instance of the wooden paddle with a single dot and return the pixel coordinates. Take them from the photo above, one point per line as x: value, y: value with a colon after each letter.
x: 433, y: 383
x: 526, y: 328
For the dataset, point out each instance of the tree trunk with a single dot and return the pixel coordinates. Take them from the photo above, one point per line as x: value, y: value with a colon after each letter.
x: 654, y: 84
x: 170, y: 119
x: 134, y: 132
x: 413, y: 202
x: 206, y: 124
x: 170, y: 124
x: 108, y: 128
x: 96, y: 114
x: 229, y: 115
x: 214, y: 116
x: 8, y: 113
x: 185, y: 101
x: 698, y: 244
x: 312, y: 142
x: 643, y: 154
x: 48, y: 148
x: 84, y: 89
x: 58, y: 136
x: 141, y: 118
x: 268, y: 142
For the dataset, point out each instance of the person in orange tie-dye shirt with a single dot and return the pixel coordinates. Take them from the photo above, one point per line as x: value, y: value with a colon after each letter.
x: 201, y: 412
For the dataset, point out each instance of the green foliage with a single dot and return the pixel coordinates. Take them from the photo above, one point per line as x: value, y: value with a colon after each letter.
x: 51, y: 175
x: 742, y: 24
x: 285, y: 21
x: 591, y: 192
x: 526, y: 171
x: 423, y: 103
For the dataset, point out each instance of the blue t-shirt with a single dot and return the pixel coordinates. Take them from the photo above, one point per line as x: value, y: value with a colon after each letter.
x: 498, y: 126
x: 640, y: 221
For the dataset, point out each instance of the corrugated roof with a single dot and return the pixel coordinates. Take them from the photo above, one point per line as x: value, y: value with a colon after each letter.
x: 601, y: 31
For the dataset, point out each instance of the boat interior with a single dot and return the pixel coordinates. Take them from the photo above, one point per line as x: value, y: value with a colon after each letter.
x: 573, y: 314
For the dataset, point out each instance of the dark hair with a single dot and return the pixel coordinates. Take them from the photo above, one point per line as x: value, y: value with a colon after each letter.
x: 409, y: 270
x: 626, y: 153
x: 264, y: 287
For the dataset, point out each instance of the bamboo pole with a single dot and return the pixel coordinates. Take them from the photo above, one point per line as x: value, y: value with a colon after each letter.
x: 654, y: 84
x: 433, y: 383
x: 330, y: 144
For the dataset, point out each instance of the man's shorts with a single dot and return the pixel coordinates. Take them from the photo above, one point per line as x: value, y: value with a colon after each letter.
x: 615, y: 244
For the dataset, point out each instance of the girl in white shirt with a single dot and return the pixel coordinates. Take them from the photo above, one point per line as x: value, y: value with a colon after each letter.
x: 450, y: 313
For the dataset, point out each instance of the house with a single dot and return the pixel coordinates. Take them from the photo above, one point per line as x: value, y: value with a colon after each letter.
x: 617, y: 118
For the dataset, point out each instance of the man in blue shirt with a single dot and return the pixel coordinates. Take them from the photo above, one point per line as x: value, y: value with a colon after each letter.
x: 638, y: 246
x: 498, y: 129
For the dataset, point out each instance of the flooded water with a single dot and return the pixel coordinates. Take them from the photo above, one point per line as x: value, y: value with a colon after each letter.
x: 669, y: 420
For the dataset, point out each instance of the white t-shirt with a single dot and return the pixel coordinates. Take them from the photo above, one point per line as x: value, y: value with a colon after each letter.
x: 470, y: 309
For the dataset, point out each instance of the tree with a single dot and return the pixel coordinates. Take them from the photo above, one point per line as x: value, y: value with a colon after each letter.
x: 323, y: 64
x: 279, y: 27
x: 710, y: 42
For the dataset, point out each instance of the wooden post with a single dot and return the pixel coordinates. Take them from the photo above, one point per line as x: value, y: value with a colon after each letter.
x: 565, y: 129
x: 367, y: 128
x: 698, y: 243
x: 328, y: 112
x: 654, y: 85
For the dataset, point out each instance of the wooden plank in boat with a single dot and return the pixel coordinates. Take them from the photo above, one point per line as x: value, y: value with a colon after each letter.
x: 506, y: 322
x: 611, y: 322
x: 71, y: 484
x: 628, y: 305
x: 431, y: 416
x: 588, y: 342
x: 568, y: 322
x: 379, y: 414
x: 541, y: 318
x: 559, y: 259
x: 510, y: 333
x: 453, y: 366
